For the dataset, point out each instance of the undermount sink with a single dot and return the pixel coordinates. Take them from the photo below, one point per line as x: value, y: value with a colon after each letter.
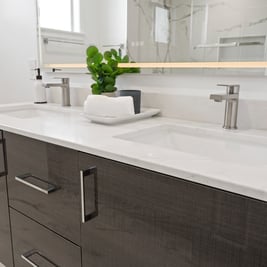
x: 31, y: 112
x: 26, y: 113
x: 212, y: 144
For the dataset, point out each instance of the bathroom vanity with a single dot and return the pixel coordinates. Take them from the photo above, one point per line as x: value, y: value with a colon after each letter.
x: 76, y: 200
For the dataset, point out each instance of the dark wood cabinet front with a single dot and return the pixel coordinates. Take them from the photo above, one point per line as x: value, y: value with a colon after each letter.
x: 146, y: 219
x: 34, y: 244
x: 43, y: 183
x: 5, y: 234
x: 142, y: 219
x: 121, y: 215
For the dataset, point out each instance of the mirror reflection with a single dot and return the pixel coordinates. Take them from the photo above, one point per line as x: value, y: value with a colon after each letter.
x: 68, y: 27
x: 197, y: 30
x: 154, y: 30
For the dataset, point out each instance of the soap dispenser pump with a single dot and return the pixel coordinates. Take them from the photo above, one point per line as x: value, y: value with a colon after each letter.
x: 39, y: 89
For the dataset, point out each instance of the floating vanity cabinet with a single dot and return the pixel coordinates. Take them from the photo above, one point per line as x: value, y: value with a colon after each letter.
x: 44, y: 184
x: 34, y: 245
x: 72, y: 209
x: 139, y: 218
x: 5, y: 234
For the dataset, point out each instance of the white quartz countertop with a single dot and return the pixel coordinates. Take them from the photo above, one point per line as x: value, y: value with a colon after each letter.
x: 68, y: 127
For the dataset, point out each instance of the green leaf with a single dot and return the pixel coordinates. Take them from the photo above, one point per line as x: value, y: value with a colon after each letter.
x: 95, y: 89
x: 107, y: 68
x: 110, y: 88
x: 125, y: 59
x: 114, y: 52
x: 97, y: 59
x: 91, y: 51
x: 107, y: 55
x: 113, y: 64
x: 109, y: 80
x: 91, y: 68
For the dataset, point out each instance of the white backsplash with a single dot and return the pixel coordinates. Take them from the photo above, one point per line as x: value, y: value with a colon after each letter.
x: 186, y: 96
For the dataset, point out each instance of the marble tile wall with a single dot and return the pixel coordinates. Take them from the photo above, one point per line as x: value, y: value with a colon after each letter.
x: 193, y: 23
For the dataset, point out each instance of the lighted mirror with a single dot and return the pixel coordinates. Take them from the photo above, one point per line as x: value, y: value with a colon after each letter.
x: 184, y: 31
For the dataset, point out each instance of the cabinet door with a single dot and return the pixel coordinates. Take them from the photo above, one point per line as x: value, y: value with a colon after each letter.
x: 35, y: 244
x: 5, y: 235
x: 139, y: 218
x: 43, y: 183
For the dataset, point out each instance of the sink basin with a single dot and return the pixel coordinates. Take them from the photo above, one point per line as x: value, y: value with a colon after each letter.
x: 31, y: 112
x: 212, y: 144
x: 26, y: 113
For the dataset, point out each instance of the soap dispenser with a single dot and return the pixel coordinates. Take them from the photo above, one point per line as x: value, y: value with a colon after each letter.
x: 39, y: 89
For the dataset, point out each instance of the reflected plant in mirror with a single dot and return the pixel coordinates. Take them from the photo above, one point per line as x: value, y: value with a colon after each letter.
x: 104, y: 69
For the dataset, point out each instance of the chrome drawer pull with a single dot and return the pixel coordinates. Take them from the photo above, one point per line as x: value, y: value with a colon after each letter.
x: 46, y: 189
x: 26, y: 257
x: 83, y: 174
x: 3, y: 143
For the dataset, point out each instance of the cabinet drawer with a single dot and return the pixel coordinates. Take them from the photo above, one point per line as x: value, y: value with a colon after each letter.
x: 43, y: 182
x: 35, y: 243
x: 2, y: 156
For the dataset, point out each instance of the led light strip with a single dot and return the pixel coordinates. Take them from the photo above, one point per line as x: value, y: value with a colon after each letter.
x: 171, y: 65
x: 188, y: 65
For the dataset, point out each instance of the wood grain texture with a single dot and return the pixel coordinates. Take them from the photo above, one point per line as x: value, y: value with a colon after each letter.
x: 148, y: 219
x: 60, y: 210
x: 145, y: 219
x: 29, y: 235
x: 5, y: 234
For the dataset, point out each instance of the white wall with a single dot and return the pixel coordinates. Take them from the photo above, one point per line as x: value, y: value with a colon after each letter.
x: 186, y: 97
x: 17, y: 46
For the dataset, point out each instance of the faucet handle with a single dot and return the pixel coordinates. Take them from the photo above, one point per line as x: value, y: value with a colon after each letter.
x: 231, y: 88
x: 63, y: 79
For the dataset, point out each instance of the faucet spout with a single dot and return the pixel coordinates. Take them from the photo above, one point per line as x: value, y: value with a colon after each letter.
x: 217, y: 98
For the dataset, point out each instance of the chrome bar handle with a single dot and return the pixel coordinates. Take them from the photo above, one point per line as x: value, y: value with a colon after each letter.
x: 26, y: 257
x: 3, y: 144
x: 23, y: 179
x: 83, y: 174
x: 231, y: 88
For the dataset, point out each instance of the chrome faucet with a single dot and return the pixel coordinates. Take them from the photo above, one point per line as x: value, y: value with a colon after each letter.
x: 65, y: 86
x: 231, y: 104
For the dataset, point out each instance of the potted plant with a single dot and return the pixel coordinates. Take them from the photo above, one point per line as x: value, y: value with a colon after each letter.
x: 104, y: 69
